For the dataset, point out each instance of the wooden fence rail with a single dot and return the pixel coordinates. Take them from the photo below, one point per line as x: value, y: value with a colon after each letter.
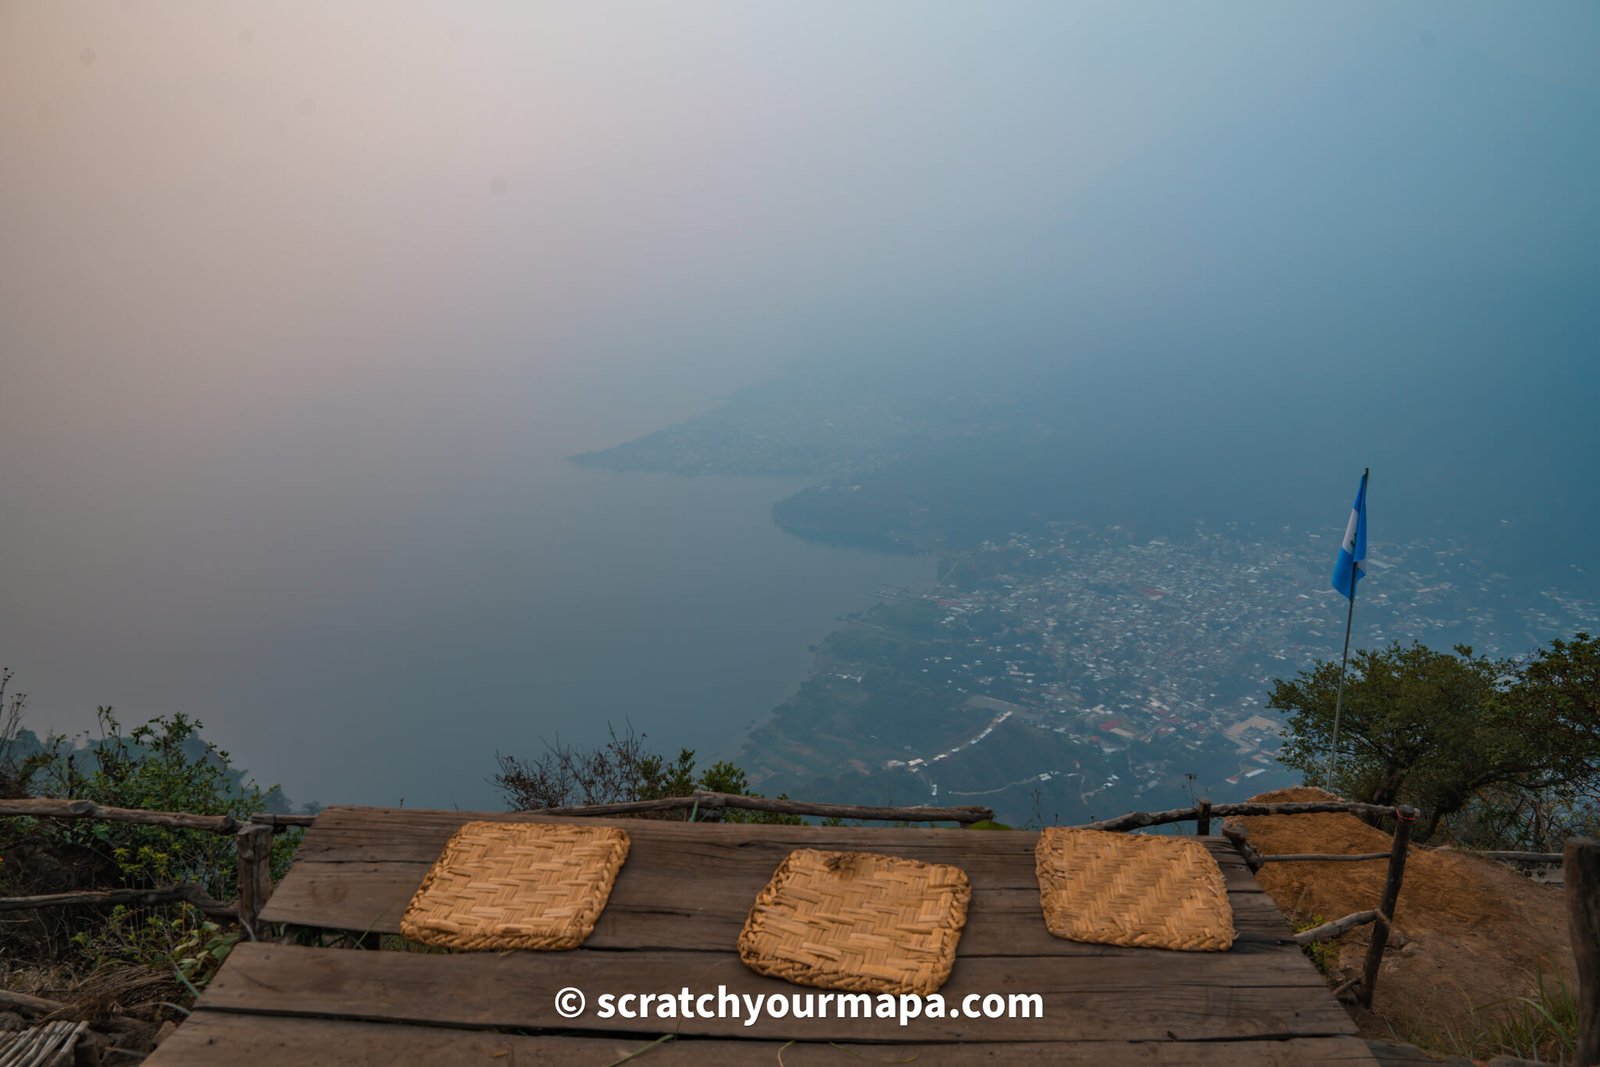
x: 704, y: 802
x: 185, y: 891
x: 253, y: 837
x: 52, y: 808
x: 1328, y: 931
x: 1382, y: 917
x: 1134, y: 820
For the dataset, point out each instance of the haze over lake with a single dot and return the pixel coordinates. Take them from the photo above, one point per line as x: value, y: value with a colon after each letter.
x: 302, y: 309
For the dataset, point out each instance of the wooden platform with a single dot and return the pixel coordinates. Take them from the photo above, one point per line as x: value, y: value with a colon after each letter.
x: 672, y: 923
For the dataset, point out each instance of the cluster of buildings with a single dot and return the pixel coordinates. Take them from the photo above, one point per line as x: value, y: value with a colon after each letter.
x: 1168, y: 647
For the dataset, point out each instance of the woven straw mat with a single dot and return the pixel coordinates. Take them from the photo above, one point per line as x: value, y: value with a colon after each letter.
x: 503, y: 885
x: 857, y: 921
x: 1132, y: 889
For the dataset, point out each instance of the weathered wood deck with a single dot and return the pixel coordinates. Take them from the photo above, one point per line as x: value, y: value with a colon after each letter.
x: 672, y: 922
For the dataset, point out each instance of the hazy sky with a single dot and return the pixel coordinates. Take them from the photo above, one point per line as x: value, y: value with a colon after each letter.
x: 278, y: 280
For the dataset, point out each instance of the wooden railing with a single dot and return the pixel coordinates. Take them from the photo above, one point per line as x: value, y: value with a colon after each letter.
x: 253, y: 847
x: 1382, y: 917
x: 707, y: 806
x: 253, y: 837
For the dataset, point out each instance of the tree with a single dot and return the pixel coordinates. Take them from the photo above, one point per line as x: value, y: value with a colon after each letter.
x: 1560, y: 685
x: 1430, y: 729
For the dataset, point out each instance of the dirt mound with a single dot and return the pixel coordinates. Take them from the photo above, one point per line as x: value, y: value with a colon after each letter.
x: 1474, y: 934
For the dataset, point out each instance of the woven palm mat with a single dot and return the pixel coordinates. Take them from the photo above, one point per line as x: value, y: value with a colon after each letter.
x: 503, y: 885
x: 857, y: 921
x: 1132, y: 889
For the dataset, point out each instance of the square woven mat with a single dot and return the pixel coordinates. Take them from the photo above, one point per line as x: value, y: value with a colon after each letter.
x: 1132, y: 889
x: 527, y: 885
x: 857, y: 921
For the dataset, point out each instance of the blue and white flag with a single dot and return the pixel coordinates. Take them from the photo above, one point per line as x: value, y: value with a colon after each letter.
x: 1352, y: 561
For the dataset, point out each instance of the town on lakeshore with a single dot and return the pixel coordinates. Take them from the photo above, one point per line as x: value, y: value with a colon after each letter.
x: 1080, y: 672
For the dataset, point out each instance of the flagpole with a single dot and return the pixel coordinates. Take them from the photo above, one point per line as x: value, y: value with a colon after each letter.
x: 1344, y: 660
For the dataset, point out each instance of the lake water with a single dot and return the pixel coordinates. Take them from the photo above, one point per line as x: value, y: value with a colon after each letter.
x: 380, y: 647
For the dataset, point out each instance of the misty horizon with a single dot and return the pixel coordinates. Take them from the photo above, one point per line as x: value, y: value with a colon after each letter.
x: 303, y: 311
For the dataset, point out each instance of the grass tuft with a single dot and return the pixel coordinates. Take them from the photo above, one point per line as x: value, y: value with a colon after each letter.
x: 1542, y: 1026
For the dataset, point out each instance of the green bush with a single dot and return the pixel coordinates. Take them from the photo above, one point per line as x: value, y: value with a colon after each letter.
x: 1323, y: 954
x: 162, y: 765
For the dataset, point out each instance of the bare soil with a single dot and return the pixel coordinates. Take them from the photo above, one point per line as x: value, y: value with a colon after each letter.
x: 1474, y: 935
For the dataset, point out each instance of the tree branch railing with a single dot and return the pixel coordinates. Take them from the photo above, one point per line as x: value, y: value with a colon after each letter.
x: 1329, y: 931
x: 253, y: 844
x: 1382, y: 918
x: 1135, y: 820
x: 52, y: 808
x: 712, y: 804
x: 188, y: 892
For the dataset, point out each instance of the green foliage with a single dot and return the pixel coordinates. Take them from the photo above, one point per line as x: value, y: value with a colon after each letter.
x: 1559, y: 687
x: 1324, y: 955
x: 162, y: 765
x: 1445, y: 732
x: 987, y: 824
x: 193, y: 949
x: 201, y: 954
x: 621, y: 770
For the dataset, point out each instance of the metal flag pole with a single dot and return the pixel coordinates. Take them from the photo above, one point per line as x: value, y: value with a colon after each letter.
x: 1344, y: 661
x: 1338, y: 704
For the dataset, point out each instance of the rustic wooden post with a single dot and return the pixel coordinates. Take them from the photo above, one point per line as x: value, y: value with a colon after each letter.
x: 1404, y: 817
x: 1202, y: 817
x: 254, y: 844
x: 1581, y: 872
x: 1240, y: 837
x: 708, y: 806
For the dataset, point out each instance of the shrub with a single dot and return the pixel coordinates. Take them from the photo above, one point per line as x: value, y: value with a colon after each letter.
x: 1324, y: 955
x: 162, y: 765
x: 619, y: 770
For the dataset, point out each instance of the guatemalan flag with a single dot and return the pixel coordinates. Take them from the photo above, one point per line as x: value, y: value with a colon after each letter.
x: 1352, y: 561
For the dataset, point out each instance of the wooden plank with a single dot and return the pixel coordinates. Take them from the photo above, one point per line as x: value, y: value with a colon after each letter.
x: 395, y: 833
x: 212, y: 1037
x: 368, y: 835
x: 687, y: 860
x: 1165, y: 995
x: 705, y: 913
x: 687, y: 852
